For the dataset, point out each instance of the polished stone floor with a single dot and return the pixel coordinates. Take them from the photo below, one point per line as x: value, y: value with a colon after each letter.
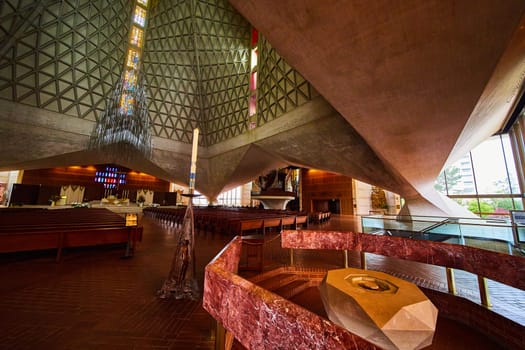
x: 94, y: 299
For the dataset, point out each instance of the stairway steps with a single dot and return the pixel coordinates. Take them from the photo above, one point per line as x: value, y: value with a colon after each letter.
x: 267, y: 275
x: 293, y: 288
x: 289, y: 281
x: 277, y: 281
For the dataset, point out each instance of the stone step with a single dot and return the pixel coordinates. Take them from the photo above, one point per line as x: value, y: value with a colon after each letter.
x: 273, y: 282
x: 292, y: 288
x: 266, y: 275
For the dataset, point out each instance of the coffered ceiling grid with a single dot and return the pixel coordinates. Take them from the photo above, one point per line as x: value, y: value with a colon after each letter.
x: 196, y: 64
x: 64, y: 56
x: 280, y: 88
x: 223, y: 42
x: 169, y: 65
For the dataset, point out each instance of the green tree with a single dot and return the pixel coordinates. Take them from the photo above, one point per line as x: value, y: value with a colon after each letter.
x: 452, y: 175
x: 484, y: 207
x: 503, y: 203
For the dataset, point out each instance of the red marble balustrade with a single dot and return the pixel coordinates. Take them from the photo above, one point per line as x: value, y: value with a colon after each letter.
x: 260, y: 319
x: 504, y: 268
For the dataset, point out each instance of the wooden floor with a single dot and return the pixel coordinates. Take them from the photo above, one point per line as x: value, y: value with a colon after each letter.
x: 94, y: 299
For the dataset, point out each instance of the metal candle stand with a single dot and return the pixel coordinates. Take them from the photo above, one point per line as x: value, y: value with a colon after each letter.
x: 181, y: 282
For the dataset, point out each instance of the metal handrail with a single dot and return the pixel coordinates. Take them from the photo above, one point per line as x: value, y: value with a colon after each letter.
x: 436, y: 225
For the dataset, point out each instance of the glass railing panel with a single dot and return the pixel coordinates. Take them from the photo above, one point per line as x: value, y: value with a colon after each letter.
x: 521, y: 233
x: 427, y: 218
x: 374, y: 223
x: 477, y: 230
x: 511, y: 299
x: 490, y: 234
x: 467, y: 285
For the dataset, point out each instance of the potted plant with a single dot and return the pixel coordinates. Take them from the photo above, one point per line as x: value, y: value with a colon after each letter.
x: 378, y: 198
x: 54, y: 198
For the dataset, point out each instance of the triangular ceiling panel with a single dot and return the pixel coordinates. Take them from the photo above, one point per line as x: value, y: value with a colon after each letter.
x: 196, y: 56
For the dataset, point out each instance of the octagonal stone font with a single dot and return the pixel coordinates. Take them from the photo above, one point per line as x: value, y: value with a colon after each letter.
x: 387, y: 311
x: 371, y: 283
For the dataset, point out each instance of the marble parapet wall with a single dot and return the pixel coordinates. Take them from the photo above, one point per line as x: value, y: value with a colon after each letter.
x: 260, y: 319
x: 504, y: 268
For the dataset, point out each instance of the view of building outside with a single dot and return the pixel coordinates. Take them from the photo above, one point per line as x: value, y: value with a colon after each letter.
x: 485, y: 180
x: 230, y: 198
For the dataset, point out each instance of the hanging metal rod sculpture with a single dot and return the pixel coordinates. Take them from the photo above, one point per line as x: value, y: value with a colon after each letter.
x: 123, y: 127
x: 125, y: 122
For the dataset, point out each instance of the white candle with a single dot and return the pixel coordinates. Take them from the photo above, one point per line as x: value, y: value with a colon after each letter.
x: 193, y: 166
x: 194, y: 148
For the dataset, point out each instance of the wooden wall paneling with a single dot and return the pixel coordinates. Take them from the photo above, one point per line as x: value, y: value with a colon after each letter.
x: 93, y: 192
x: 45, y: 193
x: 159, y: 198
x: 319, y: 187
x: 85, y: 176
x: 24, y: 194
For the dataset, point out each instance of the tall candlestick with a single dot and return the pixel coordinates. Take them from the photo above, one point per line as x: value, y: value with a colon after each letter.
x: 193, y: 167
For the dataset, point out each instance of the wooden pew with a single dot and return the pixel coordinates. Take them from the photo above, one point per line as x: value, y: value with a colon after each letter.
x: 252, y: 224
x: 63, y: 228
x: 232, y: 221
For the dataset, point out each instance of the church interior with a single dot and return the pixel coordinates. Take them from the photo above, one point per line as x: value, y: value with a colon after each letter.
x: 243, y: 174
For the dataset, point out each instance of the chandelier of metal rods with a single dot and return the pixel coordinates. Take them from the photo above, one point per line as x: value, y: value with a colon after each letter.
x: 125, y: 121
x: 124, y: 124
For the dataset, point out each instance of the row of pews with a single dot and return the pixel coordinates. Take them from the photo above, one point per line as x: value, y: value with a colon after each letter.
x: 27, y: 230
x: 250, y: 223
x: 320, y: 216
x: 232, y: 221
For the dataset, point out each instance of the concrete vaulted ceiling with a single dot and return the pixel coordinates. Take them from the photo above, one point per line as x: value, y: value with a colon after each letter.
x: 385, y: 92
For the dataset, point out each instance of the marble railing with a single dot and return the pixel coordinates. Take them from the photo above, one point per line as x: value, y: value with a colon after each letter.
x: 504, y: 268
x: 260, y: 319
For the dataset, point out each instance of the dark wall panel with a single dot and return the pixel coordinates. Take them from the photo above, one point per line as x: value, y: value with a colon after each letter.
x: 24, y: 194
x: 85, y: 176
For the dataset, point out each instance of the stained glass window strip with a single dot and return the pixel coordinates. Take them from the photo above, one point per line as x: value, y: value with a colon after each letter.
x: 110, y: 177
x: 130, y: 81
x: 126, y: 104
x: 253, y: 58
x: 133, y: 59
x: 143, y: 2
x: 252, y: 101
x: 140, y: 16
x: 253, y: 81
x: 252, y: 106
x: 136, y: 36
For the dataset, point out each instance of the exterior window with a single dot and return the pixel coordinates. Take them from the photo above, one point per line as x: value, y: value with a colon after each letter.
x: 489, y: 167
x: 485, y: 180
x: 231, y: 198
